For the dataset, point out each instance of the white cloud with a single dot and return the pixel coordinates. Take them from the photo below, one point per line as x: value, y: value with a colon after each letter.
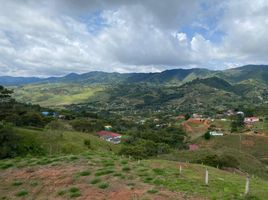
x: 56, y: 37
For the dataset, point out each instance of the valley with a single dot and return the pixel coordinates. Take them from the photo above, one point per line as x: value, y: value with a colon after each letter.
x: 69, y: 128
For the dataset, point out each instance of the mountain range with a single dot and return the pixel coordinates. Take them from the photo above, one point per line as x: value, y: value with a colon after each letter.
x: 257, y: 73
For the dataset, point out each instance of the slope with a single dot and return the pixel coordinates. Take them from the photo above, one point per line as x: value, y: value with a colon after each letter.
x: 102, y: 175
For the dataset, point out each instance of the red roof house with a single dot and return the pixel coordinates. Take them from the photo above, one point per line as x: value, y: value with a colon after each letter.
x: 108, y: 134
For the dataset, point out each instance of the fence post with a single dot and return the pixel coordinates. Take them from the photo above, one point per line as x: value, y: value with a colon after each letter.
x: 180, y: 169
x: 206, y: 178
x: 247, y: 185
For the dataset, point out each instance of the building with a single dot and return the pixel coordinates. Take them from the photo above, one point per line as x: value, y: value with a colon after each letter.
x: 249, y: 120
x: 108, y: 127
x: 197, y: 116
x: 215, y: 133
x: 110, y: 136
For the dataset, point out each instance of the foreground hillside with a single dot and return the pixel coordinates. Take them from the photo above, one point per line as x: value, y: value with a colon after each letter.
x: 99, y: 175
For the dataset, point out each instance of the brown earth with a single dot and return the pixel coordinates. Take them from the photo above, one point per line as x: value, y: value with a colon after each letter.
x: 52, y: 179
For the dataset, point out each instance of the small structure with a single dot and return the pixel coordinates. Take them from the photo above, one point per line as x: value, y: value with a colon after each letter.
x: 108, y: 127
x: 193, y: 147
x: 250, y: 120
x: 215, y: 133
x: 197, y: 116
x: 110, y: 136
x: 45, y: 113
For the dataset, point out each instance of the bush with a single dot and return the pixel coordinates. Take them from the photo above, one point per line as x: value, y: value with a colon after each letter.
x: 103, y: 185
x: 87, y: 143
x: 220, y: 161
x: 207, y: 135
x: 9, y: 142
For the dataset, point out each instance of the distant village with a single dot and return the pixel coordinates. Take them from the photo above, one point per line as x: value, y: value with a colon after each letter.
x: 116, y: 138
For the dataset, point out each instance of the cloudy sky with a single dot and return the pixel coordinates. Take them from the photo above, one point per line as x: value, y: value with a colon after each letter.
x: 56, y: 37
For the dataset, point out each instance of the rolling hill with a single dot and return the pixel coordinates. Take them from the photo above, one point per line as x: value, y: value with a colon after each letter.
x: 175, y: 76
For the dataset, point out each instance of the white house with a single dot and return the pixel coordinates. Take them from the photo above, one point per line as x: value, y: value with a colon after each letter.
x: 215, y: 133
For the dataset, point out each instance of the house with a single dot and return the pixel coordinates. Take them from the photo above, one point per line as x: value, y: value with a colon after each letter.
x: 249, y: 120
x: 197, y: 116
x: 110, y: 136
x: 215, y: 133
x: 193, y: 147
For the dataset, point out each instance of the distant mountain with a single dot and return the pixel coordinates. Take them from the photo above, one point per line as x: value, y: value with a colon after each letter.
x: 249, y: 72
x: 13, y: 81
x: 175, y: 76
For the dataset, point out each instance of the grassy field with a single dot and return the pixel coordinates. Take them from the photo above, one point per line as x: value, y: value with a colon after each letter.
x: 51, y: 95
x: 104, y: 175
x: 63, y: 142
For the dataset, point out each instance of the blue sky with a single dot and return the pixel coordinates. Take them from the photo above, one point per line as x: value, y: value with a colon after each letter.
x: 56, y: 37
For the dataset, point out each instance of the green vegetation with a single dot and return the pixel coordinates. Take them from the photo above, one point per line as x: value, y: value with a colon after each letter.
x: 103, y: 185
x: 55, y: 94
x: 22, y: 193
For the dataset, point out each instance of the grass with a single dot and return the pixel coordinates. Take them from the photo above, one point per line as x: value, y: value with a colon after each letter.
x: 95, y: 181
x: 74, y: 192
x: 56, y: 95
x: 104, y: 172
x: 126, y: 168
x: 17, y: 183
x: 22, y: 193
x: 154, y: 174
x: 84, y: 173
x: 60, y: 142
x: 152, y: 191
x: 103, y: 185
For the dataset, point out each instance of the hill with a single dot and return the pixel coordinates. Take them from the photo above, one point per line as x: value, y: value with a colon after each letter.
x: 102, y: 175
x: 175, y: 76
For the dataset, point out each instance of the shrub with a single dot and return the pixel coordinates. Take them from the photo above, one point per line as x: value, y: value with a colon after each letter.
x: 95, y: 181
x: 87, y: 143
x: 22, y: 193
x: 103, y: 185
x: 207, y: 135
x: 84, y: 173
x: 17, y: 183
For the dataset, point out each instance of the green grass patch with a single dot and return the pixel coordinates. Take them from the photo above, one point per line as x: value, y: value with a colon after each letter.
x: 103, y: 185
x: 126, y: 168
x: 6, y: 165
x: 152, y: 191
x: 17, y: 183
x: 22, y: 193
x: 104, y: 172
x: 84, y: 173
x: 95, y: 181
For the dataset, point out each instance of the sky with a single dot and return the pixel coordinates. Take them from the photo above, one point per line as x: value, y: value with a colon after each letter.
x: 56, y: 37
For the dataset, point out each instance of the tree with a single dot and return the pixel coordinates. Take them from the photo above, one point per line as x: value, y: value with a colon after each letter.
x: 9, y: 142
x: 187, y: 116
x: 207, y: 135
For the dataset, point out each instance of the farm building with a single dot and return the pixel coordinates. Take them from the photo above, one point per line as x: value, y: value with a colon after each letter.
x: 110, y: 136
x: 251, y: 119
